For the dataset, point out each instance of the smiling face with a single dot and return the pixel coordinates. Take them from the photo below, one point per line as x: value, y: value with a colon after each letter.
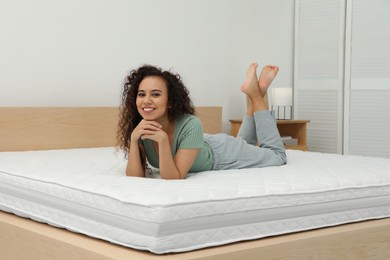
x: 152, y: 99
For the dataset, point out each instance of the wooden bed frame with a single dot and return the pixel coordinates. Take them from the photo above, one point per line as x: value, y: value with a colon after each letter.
x: 53, y: 128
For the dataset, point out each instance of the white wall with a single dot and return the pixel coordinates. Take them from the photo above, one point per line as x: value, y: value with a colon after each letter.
x: 77, y: 53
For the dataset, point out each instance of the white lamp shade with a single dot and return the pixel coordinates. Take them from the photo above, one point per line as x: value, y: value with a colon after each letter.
x: 282, y: 96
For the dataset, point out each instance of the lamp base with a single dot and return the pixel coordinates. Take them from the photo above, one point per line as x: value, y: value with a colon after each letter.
x: 282, y: 112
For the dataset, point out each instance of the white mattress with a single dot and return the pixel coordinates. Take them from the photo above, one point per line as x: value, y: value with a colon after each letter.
x: 86, y: 191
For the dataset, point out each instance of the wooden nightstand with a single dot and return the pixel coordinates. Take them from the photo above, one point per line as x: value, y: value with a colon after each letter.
x: 294, y: 128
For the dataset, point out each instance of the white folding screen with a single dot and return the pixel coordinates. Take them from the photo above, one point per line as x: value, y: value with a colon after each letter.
x: 318, y: 73
x: 342, y: 75
x: 367, y: 124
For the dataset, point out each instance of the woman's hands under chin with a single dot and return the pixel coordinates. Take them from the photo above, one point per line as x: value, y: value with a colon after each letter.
x: 149, y: 130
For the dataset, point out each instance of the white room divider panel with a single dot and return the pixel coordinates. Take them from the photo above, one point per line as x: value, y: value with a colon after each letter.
x: 318, y: 73
x: 368, y: 78
x: 342, y: 75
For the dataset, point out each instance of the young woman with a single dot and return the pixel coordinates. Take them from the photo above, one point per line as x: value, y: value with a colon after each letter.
x: 157, y: 125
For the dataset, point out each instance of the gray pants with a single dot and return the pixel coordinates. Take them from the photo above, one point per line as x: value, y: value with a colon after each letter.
x: 242, y: 151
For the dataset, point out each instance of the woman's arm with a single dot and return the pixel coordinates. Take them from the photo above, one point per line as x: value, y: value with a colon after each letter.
x: 177, y: 167
x: 135, y: 163
x: 189, y: 142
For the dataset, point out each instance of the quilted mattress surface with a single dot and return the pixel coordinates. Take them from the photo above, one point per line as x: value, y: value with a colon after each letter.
x: 86, y: 191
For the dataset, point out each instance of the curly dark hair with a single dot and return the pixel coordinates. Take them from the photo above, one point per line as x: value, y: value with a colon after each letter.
x: 178, y: 100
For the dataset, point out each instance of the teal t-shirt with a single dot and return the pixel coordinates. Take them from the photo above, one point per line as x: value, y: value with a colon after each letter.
x: 188, y: 135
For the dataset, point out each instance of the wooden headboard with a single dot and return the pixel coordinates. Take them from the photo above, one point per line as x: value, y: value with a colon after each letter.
x: 42, y: 128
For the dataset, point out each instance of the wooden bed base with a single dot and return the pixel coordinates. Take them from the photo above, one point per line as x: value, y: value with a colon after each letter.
x: 52, y: 128
x: 26, y: 239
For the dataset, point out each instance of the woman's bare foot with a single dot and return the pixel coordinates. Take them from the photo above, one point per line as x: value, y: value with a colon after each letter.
x: 268, y: 73
x: 252, y: 90
x: 251, y: 85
